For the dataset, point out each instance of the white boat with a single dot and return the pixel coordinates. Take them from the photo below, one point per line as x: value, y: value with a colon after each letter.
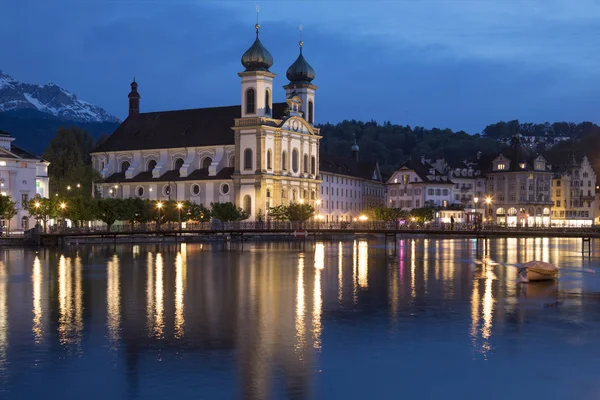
x: 535, y: 271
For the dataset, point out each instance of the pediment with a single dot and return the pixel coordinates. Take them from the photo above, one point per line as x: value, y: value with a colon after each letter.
x: 297, y: 125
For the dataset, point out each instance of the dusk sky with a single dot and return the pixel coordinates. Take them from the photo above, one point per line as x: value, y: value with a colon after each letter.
x: 447, y: 64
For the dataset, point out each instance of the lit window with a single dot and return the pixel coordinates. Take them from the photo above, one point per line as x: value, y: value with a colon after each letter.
x: 2, y: 163
x: 501, y: 166
x: 522, y: 165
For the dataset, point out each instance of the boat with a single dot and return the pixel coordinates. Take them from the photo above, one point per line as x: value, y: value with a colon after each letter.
x: 535, y: 271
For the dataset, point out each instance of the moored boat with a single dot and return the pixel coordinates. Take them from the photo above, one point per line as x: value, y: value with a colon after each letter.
x: 534, y: 271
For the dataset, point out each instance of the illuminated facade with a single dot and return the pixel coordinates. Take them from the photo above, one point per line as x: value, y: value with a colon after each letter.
x: 22, y: 176
x: 574, y: 195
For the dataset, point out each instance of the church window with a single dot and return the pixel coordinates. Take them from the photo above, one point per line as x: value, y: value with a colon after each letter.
x: 151, y: 165
x: 305, y: 194
x: 206, y: 162
x: 313, y: 195
x: 295, y: 160
x: 269, y: 159
x: 248, y: 204
x: 250, y: 101
x: 247, y: 159
x: 167, y: 190
x: 224, y: 188
x: 306, y: 163
x: 310, y: 112
x: 283, y: 161
x: 140, y: 191
x: 313, y: 165
x: 124, y: 166
x: 195, y: 189
x: 178, y: 163
x: 269, y: 193
x: 268, y: 102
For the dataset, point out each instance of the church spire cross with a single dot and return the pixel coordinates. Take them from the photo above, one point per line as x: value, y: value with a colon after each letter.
x: 301, y: 43
x: 257, y: 26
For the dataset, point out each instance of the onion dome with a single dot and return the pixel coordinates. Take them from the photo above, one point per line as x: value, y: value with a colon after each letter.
x: 257, y: 57
x: 300, y: 71
x: 134, y: 93
x: 354, y: 146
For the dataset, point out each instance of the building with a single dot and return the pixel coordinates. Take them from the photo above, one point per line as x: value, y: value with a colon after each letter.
x: 349, y: 187
x: 574, y: 194
x: 22, y: 176
x: 519, y: 187
x: 258, y: 154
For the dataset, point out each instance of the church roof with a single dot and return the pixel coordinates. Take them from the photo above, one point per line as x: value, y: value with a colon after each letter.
x: 180, y: 128
x: 346, y: 166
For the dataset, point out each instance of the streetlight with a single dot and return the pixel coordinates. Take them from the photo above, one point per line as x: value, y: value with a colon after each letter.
x: 488, y: 202
x: 63, y: 206
x: 69, y: 187
x: 78, y: 186
x: 179, y: 206
x: 159, y: 206
x: 37, y: 211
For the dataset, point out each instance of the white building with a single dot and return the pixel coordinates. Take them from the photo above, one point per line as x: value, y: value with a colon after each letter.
x: 349, y: 187
x: 258, y: 154
x: 574, y: 194
x: 22, y: 176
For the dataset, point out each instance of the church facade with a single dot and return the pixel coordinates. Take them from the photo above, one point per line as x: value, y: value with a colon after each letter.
x: 257, y: 155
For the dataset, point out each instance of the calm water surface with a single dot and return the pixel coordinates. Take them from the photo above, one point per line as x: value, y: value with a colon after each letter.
x: 346, y: 320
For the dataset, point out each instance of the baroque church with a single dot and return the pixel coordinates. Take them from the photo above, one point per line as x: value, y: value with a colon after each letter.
x: 257, y: 155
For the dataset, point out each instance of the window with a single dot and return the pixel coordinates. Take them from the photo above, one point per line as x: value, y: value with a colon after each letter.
x: 151, y: 165
x: 313, y: 165
x: 24, y: 199
x: 224, y: 188
x: 166, y: 190
x: 139, y: 191
x: 430, y: 192
x: 445, y: 192
x: 539, y: 165
x: 248, y: 204
x: 250, y: 101
x: 268, y: 102
x: 178, y: 164
x: 195, y: 189
x: 501, y: 166
x: 295, y: 160
x: 206, y: 162
x: 3, y: 163
x: 557, y: 192
x: 124, y: 166
x: 268, y: 193
x: 248, y: 159
x: 24, y: 223
x: 310, y: 112
x: 312, y: 195
x: 305, y: 163
x: 269, y: 158
x: 283, y: 161
x: 305, y: 194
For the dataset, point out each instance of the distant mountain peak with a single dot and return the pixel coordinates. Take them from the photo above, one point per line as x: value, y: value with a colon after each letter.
x: 49, y: 99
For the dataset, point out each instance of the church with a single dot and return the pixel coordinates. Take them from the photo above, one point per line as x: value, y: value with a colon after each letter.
x: 258, y: 154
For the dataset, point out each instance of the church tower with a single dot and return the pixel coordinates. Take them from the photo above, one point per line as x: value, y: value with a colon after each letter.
x: 257, y: 81
x: 300, y: 74
x: 134, y: 99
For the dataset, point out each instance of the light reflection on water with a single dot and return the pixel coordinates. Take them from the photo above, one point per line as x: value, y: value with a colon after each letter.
x: 276, y: 320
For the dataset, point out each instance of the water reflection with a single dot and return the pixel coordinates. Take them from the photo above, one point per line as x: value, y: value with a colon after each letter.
x: 113, y: 299
x: 272, y: 318
x: 37, y: 278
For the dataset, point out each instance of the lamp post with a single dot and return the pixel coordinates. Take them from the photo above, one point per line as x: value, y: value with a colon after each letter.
x: 179, y: 206
x: 488, y: 202
x: 63, y: 206
x: 37, y: 212
x: 476, y: 201
x: 159, y: 206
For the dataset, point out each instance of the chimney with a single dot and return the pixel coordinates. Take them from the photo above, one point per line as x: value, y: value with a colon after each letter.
x: 134, y: 99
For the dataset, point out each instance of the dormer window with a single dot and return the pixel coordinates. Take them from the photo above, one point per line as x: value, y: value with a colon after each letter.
x: 522, y: 165
x: 501, y: 166
x: 539, y: 166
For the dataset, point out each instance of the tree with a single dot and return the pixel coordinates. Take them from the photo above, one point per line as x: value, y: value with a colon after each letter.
x: 110, y: 210
x: 300, y: 212
x: 8, y: 209
x: 422, y: 215
x: 196, y: 212
x: 389, y: 214
x: 226, y: 212
x: 279, y: 213
x: 81, y: 210
x: 43, y: 208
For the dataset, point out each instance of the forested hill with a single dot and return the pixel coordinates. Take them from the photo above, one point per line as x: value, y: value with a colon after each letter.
x: 391, y: 144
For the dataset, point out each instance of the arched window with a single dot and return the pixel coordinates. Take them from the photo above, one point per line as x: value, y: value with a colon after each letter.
x: 250, y: 101
x: 305, y: 163
x: 295, y: 160
x: 248, y: 205
x: 24, y: 223
x: 268, y: 192
x: 313, y: 165
x: 178, y: 163
x: 124, y: 166
x: 310, y: 112
x: 269, y: 159
x: 284, y: 161
x: 151, y: 165
x: 268, y: 101
x: 247, y: 159
x: 305, y: 194
x: 206, y: 162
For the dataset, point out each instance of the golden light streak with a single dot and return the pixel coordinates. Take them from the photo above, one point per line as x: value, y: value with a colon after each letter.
x: 317, y: 308
x: 37, y: 278
x: 354, y: 272
x: 113, y: 298
x: 475, y: 310
x: 300, y: 306
x: 3, y: 316
x: 78, y: 299
x: 363, y: 263
x: 413, y: 267
x: 64, y: 299
x: 180, y: 280
x: 150, y: 293
x: 340, y: 273
x: 159, y: 307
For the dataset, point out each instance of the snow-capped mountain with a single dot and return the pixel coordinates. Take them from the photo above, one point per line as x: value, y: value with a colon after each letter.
x: 50, y: 99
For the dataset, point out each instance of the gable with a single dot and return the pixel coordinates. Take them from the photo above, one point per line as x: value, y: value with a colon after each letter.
x: 297, y: 125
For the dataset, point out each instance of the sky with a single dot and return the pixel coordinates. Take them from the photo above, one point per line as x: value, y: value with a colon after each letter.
x: 433, y: 63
